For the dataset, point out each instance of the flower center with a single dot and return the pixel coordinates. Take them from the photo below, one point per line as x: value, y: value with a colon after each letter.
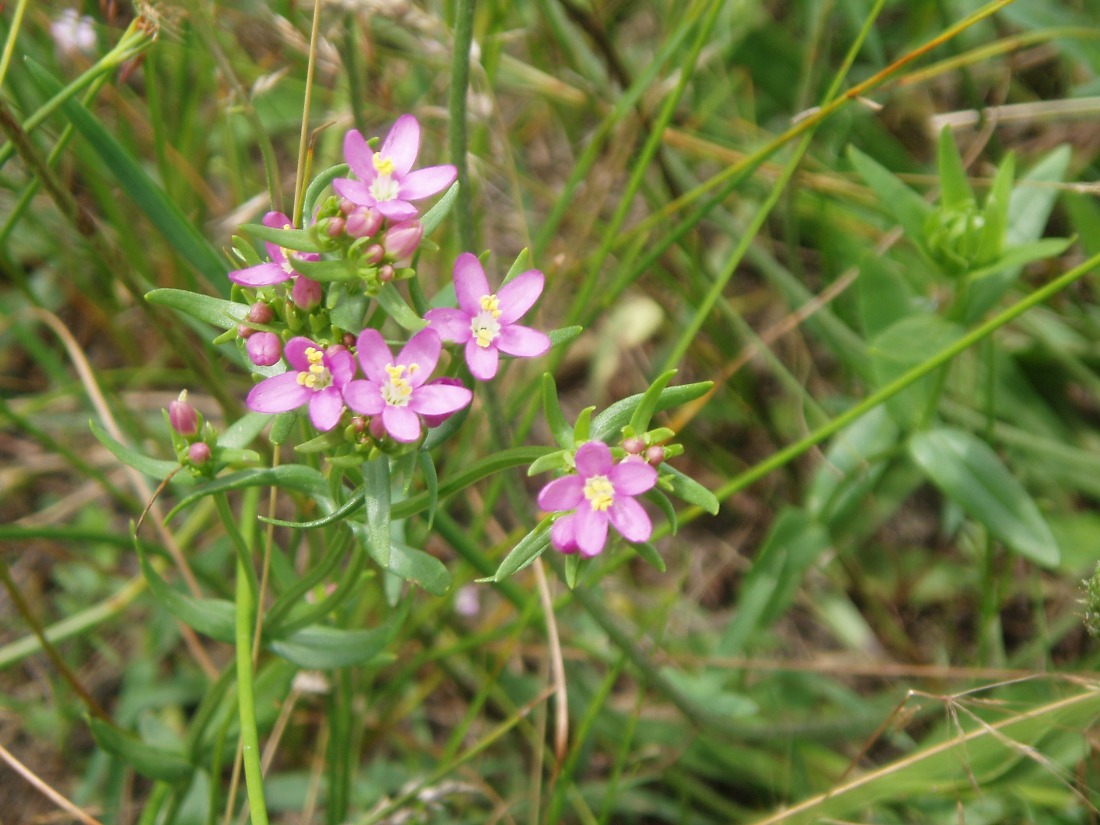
x: 396, y: 389
x: 317, y: 377
x: 599, y: 492
x: 383, y: 166
x: 384, y: 188
x: 484, y: 326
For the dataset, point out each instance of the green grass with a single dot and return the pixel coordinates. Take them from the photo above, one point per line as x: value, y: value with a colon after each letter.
x: 882, y: 623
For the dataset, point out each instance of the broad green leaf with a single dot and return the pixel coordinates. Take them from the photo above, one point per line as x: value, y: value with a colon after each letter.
x: 643, y: 413
x: 898, y: 349
x: 391, y: 301
x: 149, y: 760
x: 794, y: 542
x: 376, y: 496
x: 215, y: 311
x: 608, y: 424
x: 325, y: 648
x: 297, y: 477
x: 906, y: 206
x: 155, y: 467
x: 215, y: 618
x: 970, y: 474
x: 530, y: 547
x: 555, y: 418
x: 954, y: 186
x: 150, y: 198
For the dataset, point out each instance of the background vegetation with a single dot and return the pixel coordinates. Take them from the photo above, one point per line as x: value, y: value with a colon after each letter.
x: 883, y: 623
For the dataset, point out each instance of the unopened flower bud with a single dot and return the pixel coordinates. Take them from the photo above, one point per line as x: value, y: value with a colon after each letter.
x: 363, y: 221
x: 335, y: 227
x: 198, y: 453
x: 373, y: 254
x: 634, y: 446
x: 377, y: 428
x: 386, y: 273
x: 260, y: 313
x: 436, y: 420
x: 183, y: 417
x: 306, y: 293
x: 264, y: 348
x: 346, y: 206
x: 348, y: 340
x: 245, y: 331
x: 401, y: 240
x: 654, y: 455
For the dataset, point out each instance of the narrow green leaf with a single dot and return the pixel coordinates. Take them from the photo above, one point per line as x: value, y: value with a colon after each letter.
x: 582, y: 428
x: 149, y: 760
x: 325, y: 648
x: 431, y: 483
x: 297, y: 477
x: 297, y: 240
x: 558, y: 337
x: 530, y: 547
x: 155, y: 467
x: 391, y: 301
x: 1025, y: 253
x: 555, y: 418
x: 244, y: 430
x: 420, y: 568
x: 434, y: 216
x: 520, y: 264
x: 901, y: 347
x: 662, y: 502
x: 318, y: 186
x: 969, y: 473
x: 639, y: 421
x: 608, y: 424
x: 339, y: 270
x: 215, y: 618
x: 572, y: 569
x: 954, y: 186
x: 215, y: 311
x: 688, y: 489
x: 649, y: 553
x: 376, y: 492
x: 995, y: 211
x: 153, y: 202
x: 906, y: 206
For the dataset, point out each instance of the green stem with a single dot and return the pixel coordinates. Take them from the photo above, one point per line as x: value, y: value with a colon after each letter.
x: 460, y: 82
x: 303, y: 140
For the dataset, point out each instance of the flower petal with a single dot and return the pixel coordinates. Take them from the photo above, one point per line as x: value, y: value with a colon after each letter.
x: 632, y: 477
x: 401, y: 423
x: 593, y: 459
x: 482, y: 361
x: 360, y: 157
x: 260, y: 275
x: 422, y: 350
x: 280, y: 393
x: 630, y: 519
x: 425, y: 182
x: 277, y: 220
x: 563, y: 493
x: 354, y: 191
x: 365, y: 397
x: 471, y: 285
x: 451, y: 324
x: 439, y: 399
x: 563, y: 534
x: 519, y: 295
x: 522, y: 341
x: 591, y: 527
x: 402, y: 144
x: 374, y: 355
x: 296, y: 352
x: 396, y: 210
x: 325, y: 408
x: 342, y: 367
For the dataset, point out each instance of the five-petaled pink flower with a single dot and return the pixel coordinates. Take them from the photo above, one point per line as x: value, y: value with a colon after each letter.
x: 600, y: 492
x: 386, y: 181
x: 280, y: 268
x: 316, y: 378
x: 396, y: 388
x: 485, y: 321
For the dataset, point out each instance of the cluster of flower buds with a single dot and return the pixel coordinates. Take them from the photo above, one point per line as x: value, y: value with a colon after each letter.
x: 191, y: 437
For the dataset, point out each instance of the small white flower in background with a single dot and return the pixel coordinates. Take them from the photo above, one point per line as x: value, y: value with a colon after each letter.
x: 73, y: 33
x: 467, y: 602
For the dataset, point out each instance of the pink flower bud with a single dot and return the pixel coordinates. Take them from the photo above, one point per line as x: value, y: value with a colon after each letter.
x: 264, y: 348
x: 346, y: 206
x: 386, y: 273
x: 198, y: 453
x: 306, y: 293
x: 654, y: 455
x: 335, y: 227
x: 373, y: 253
x: 377, y: 428
x: 363, y: 221
x: 244, y: 331
x: 401, y: 240
x: 183, y: 417
x: 634, y: 446
x: 436, y: 420
x: 260, y: 313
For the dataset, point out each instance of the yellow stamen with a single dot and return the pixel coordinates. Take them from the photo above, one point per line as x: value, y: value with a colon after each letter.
x: 384, y: 166
x: 599, y: 492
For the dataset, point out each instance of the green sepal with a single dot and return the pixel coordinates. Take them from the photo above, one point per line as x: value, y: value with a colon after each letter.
x: 244, y: 252
x: 282, y: 427
x: 530, y: 547
x: 995, y: 230
x: 215, y: 311
x: 555, y: 418
x: 150, y: 761
x: 522, y: 263
x: 321, y: 443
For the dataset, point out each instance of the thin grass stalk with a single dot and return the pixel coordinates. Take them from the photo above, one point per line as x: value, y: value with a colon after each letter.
x: 303, y: 137
x: 456, y: 129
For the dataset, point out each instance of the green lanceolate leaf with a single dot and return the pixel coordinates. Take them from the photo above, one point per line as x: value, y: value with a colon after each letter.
x: 296, y: 240
x: 688, y: 489
x: 520, y: 264
x: 420, y: 568
x: 649, y: 553
x: 954, y: 187
x: 391, y: 301
x: 341, y: 269
x: 639, y: 420
x: 530, y: 547
x: 215, y: 311
x: 296, y: 477
x: 969, y: 473
x: 608, y: 424
x: 900, y: 348
x: 555, y: 418
x: 215, y: 618
x: 995, y: 212
x: 434, y: 216
x: 148, y: 760
x: 906, y: 206
x: 319, y: 184
x: 376, y: 492
x: 324, y: 648
x: 572, y: 569
x: 155, y: 467
x: 431, y: 482
x: 558, y: 337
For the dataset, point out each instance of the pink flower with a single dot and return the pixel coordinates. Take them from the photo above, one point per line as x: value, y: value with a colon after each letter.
x: 395, y: 388
x: 316, y: 378
x: 600, y: 492
x: 264, y: 348
x: 385, y: 180
x: 280, y: 268
x: 484, y: 321
x: 183, y: 417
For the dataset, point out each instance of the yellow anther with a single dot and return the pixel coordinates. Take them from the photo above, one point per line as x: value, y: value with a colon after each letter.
x: 490, y: 303
x: 599, y: 492
x: 395, y: 371
x: 384, y: 166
